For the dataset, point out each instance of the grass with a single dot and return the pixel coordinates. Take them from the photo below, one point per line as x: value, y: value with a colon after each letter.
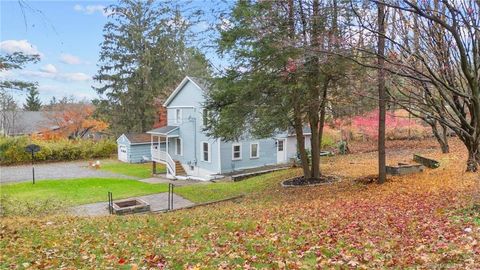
x: 80, y: 191
x: 205, y: 192
x: 139, y: 170
x: 410, y: 222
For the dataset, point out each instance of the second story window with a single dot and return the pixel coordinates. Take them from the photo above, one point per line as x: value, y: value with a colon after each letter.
x: 178, y: 116
x: 206, y: 117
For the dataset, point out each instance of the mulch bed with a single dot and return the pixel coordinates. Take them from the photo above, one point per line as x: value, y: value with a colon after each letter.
x: 302, y: 181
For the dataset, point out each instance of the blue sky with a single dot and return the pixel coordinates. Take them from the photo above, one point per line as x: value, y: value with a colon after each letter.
x: 67, y: 35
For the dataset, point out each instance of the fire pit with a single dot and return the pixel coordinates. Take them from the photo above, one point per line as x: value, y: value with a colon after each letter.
x: 130, y: 206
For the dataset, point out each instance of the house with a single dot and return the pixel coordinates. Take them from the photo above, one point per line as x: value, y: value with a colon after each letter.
x: 188, y: 152
x: 134, y: 147
x: 18, y: 123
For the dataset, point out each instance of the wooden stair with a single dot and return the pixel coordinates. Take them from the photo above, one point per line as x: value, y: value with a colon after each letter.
x: 179, y: 169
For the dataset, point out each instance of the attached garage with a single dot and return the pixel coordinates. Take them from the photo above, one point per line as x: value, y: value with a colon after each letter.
x: 134, y: 147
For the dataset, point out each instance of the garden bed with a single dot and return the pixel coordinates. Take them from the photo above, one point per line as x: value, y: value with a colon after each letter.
x: 302, y: 181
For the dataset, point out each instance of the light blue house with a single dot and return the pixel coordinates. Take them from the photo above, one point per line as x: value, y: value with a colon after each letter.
x: 134, y: 147
x: 188, y: 152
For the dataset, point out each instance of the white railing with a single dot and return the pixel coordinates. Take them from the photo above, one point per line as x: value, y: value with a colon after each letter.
x: 164, y: 157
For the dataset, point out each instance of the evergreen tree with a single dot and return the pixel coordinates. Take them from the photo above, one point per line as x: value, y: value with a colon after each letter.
x: 32, y: 101
x: 12, y: 61
x: 285, y: 64
x: 143, y: 55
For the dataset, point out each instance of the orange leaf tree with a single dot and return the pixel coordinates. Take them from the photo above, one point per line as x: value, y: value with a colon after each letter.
x: 75, y: 120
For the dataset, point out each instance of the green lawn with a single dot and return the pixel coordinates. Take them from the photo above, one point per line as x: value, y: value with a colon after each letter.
x: 79, y: 191
x: 205, y: 192
x: 142, y: 170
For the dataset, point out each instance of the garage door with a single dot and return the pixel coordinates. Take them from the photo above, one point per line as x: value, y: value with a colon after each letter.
x: 122, y: 153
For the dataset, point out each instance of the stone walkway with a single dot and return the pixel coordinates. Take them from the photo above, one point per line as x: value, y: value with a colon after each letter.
x: 57, y: 170
x: 157, y: 202
x: 161, y: 179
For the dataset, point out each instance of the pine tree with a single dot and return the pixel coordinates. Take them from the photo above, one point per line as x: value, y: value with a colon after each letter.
x: 142, y: 57
x: 32, y: 102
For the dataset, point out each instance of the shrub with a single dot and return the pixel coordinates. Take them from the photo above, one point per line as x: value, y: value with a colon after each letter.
x: 12, y: 149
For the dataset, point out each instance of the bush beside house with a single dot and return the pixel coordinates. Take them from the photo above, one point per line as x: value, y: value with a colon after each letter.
x: 12, y: 149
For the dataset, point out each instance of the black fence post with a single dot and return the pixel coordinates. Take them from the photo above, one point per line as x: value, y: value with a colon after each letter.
x: 171, y: 197
x: 110, y: 203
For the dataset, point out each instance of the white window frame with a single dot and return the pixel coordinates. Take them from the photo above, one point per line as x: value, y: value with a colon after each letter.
x: 181, y: 147
x: 209, y: 149
x: 233, y: 151
x: 205, y: 117
x: 178, y: 116
x: 278, y: 145
x: 258, y: 150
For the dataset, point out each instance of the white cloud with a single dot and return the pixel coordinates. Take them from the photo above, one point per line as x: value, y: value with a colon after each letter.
x: 11, y: 46
x: 58, y: 76
x: 61, y: 90
x: 49, y: 68
x: 70, y: 59
x: 91, y: 9
x: 76, y: 76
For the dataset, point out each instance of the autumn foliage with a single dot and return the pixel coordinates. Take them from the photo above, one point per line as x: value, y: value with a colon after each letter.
x: 421, y: 221
x: 72, y: 121
x: 398, y: 126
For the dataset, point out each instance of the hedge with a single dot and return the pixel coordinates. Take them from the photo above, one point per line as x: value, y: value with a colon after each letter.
x: 12, y: 150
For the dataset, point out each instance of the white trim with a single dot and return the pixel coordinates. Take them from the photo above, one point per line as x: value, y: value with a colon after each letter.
x: 209, y: 152
x: 258, y: 150
x: 219, y: 156
x: 176, y: 146
x: 178, y: 89
x: 233, y: 151
x: 163, y: 134
x: 182, y: 107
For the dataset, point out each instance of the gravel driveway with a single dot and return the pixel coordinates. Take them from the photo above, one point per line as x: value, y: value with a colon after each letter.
x: 60, y: 170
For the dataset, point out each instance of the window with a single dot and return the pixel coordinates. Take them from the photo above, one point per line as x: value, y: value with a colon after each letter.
x: 206, y: 117
x: 236, y: 151
x: 178, y: 116
x: 178, y: 147
x: 254, y: 150
x: 205, y: 151
x: 280, y: 145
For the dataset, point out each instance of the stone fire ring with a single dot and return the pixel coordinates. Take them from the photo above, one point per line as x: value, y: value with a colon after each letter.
x: 130, y: 206
x: 333, y: 178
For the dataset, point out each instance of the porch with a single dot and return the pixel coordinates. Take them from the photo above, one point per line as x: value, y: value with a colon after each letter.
x: 161, y: 147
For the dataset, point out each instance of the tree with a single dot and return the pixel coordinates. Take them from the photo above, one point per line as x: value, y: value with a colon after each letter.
x: 282, y: 74
x: 382, y: 94
x: 143, y: 55
x: 439, y: 76
x: 8, y: 114
x: 32, y: 101
x: 74, y: 120
x: 13, y: 61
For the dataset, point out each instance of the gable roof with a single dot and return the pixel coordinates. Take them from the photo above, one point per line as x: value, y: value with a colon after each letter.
x: 138, y: 137
x: 26, y: 122
x: 199, y: 82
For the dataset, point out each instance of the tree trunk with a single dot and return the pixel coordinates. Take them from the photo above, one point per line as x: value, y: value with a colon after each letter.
x: 381, y: 94
x: 441, y: 137
x: 298, y: 125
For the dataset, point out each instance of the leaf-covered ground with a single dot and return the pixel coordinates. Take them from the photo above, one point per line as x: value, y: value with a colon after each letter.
x: 421, y: 221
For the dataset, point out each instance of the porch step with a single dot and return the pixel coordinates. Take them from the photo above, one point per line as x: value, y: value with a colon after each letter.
x: 179, y: 168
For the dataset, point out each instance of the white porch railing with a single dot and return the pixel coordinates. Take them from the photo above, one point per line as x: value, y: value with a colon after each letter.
x: 164, y: 157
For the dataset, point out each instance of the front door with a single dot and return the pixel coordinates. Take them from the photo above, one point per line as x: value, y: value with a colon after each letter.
x: 281, y: 151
